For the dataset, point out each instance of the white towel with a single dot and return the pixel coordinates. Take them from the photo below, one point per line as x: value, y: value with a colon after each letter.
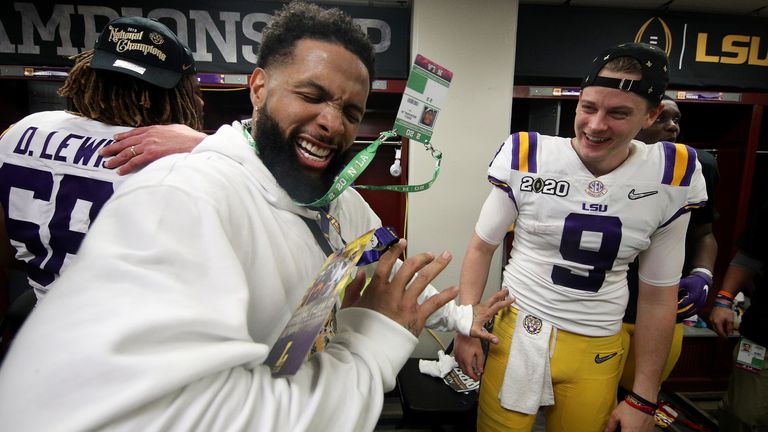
x: 527, y: 381
x: 439, y: 368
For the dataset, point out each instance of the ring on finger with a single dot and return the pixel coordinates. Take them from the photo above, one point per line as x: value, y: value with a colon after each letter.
x: 133, y: 151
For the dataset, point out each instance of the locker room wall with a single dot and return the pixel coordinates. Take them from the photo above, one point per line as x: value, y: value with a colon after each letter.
x: 475, y: 40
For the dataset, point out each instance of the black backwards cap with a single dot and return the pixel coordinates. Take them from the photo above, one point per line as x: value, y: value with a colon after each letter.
x: 143, y: 48
x: 655, y: 72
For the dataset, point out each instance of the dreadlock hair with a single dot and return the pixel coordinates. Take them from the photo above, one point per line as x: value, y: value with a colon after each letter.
x: 299, y: 20
x: 122, y: 100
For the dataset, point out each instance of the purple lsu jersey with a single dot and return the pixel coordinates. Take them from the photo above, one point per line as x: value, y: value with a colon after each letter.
x: 575, y: 234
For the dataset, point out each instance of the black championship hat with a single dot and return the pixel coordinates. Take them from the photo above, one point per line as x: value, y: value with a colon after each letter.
x: 143, y: 48
x: 655, y: 65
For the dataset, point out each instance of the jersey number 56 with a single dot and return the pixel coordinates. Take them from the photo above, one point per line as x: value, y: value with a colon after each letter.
x: 43, y: 267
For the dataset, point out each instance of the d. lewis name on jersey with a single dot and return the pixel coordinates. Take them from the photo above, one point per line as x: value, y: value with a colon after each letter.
x: 62, y: 147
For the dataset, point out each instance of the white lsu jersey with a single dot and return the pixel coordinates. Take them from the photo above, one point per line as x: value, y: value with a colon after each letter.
x: 575, y: 234
x: 53, y: 183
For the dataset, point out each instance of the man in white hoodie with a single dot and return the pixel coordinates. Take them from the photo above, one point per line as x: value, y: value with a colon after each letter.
x: 192, y: 270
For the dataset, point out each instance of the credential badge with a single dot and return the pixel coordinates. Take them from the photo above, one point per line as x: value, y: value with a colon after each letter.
x: 532, y: 324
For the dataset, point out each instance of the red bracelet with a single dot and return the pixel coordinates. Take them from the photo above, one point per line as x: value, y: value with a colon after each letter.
x: 640, y: 404
x: 726, y: 294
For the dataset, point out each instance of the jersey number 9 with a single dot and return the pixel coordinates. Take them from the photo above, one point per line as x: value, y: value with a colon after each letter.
x: 600, y: 259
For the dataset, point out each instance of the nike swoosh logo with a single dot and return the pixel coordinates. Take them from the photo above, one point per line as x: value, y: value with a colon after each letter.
x: 599, y: 359
x: 185, y: 67
x: 636, y: 196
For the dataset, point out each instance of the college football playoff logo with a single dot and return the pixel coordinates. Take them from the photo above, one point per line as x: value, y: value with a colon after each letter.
x: 655, y: 32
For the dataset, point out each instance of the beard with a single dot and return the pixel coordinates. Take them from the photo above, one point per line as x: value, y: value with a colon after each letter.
x: 278, y: 152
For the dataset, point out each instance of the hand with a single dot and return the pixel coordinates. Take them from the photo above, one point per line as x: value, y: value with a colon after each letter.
x: 397, y: 299
x: 138, y: 147
x: 469, y: 355
x: 630, y: 420
x: 721, y: 320
x: 485, y: 311
x: 692, y: 295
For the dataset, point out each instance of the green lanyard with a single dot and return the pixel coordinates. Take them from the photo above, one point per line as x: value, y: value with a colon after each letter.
x: 351, y: 172
x: 356, y: 166
x: 436, y: 155
x: 246, y: 124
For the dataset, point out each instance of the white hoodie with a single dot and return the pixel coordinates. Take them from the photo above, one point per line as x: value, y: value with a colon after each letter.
x: 181, y: 287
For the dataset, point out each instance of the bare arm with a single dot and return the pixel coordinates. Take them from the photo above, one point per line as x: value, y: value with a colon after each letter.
x: 701, y: 248
x: 656, y: 309
x: 474, y: 274
x: 655, y: 323
x: 392, y: 299
x: 139, y: 147
x: 701, y: 252
x: 736, y: 278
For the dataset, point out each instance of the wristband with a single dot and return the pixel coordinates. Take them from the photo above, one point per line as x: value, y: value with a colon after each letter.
x: 721, y: 305
x: 723, y: 299
x: 725, y: 294
x: 704, y: 270
x: 635, y: 401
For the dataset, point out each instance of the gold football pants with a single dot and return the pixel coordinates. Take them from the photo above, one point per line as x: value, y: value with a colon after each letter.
x: 585, y: 375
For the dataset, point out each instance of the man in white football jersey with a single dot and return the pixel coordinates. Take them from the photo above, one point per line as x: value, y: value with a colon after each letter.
x: 53, y: 182
x: 583, y: 209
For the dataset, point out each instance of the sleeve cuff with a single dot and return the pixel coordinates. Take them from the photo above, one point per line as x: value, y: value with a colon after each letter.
x: 369, y: 333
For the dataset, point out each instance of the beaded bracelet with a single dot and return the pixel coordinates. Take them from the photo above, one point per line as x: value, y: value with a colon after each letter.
x: 635, y: 401
x: 723, y: 300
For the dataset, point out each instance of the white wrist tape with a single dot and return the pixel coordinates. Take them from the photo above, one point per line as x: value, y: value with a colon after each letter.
x: 706, y: 271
